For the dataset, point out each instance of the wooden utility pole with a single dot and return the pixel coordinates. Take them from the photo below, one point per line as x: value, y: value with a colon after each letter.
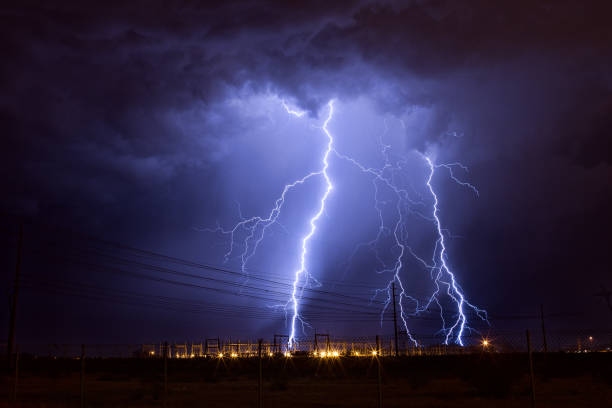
x: 82, y: 376
x: 13, y: 318
x: 531, y: 368
x: 543, y: 329
x: 16, y: 378
x: 260, y: 383
x: 165, y: 374
x: 395, y: 322
x: 379, y: 371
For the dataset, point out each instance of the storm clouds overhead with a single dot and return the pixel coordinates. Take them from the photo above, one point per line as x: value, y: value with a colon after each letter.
x: 149, y: 123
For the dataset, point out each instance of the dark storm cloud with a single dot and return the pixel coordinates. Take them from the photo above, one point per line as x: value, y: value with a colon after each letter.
x: 113, y: 115
x: 99, y: 97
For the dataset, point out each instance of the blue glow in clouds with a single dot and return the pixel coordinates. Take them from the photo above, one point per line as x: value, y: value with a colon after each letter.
x: 405, y: 202
x: 302, y: 273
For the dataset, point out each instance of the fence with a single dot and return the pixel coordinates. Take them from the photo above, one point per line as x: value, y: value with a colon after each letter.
x: 162, y: 372
x: 498, y: 341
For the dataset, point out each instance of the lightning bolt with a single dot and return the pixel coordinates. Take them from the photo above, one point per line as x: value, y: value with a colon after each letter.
x: 407, y: 202
x: 441, y: 267
x: 256, y: 227
x: 291, y: 111
x: 386, y: 176
x: 302, y: 272
x: 253, y: 229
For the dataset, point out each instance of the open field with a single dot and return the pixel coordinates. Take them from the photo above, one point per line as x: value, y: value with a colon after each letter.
x: 477, y: 380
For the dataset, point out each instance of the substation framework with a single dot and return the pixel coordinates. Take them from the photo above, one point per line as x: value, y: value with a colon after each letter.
x: 321, y: 345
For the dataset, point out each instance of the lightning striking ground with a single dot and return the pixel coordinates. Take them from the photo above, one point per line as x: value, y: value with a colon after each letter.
x: 439, y: 270
x: 440, y: 264
x: 384, y: 178
x: 256, y: 227
x: 313, y: 226
x: 407, y: 202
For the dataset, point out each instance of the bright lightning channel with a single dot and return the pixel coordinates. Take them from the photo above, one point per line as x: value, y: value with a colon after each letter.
x: 440, y: 264
x: 439, y: 270
x: 384, y: 177
x: 313, y: 226
x: 291, y: 111
x: 255, y: 227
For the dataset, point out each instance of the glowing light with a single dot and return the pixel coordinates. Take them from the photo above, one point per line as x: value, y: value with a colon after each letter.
x: 152, y: 352
x: 444, y: 279
x: 233, y: 355
x: 192, y: 355
x: 302, y: 271
x: 485, y: 343
x: 287, y: 354
x: 590, y: 338
x: 270, y: 354
x: 220, y: 355
x: 323, y: 354
x: 356, y: 354
x: 257, y: 226
x: 335, y: 354
x: 385, y: 177
x: 374, y: 352
x: 294, y: 112
x: 440, y: 265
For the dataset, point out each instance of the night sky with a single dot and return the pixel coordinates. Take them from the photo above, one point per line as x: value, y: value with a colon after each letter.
x: 146, y: 125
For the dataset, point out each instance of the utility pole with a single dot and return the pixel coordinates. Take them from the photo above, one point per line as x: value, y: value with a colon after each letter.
x: 378, y: 363
x: 260, y: 376
x: 13, y: 319
x: 543, y: 329
x: 395, y: 321
x: 531, y: 376
x: 82, y: 375
x: 165, y: 402
x: 16, y: 378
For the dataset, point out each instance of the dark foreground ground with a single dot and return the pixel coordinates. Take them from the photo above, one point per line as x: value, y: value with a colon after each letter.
x: 485, y: 380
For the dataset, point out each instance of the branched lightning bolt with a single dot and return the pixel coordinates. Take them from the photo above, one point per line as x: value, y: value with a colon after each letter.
x: 384, y: 177
x: 302, y: 272
x: 254, y: 228
x: 441, y: 267
x: 439, y: 270
x: 252, y: 231
x: 294, y: 112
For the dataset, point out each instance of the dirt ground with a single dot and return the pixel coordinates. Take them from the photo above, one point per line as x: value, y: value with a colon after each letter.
x: 453, y: 381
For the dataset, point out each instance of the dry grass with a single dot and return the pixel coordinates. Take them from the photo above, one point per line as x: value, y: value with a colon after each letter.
x: 495, y: 381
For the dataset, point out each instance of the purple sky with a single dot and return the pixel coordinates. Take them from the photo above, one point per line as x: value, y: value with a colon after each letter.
x: 145, y: 123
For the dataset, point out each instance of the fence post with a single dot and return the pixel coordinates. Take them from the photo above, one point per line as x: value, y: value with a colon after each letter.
x: 543, y: 329
x: 16, y: 379
x: 165, y: 374
x: 82, y: 375
x: 260, y: 383
x: 379, y: 371
x: 531, y: 368
x: 395, y: 323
